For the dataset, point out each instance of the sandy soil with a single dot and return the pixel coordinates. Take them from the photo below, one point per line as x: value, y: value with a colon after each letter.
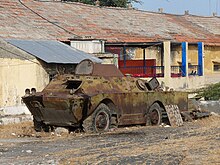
x: 196, y: 142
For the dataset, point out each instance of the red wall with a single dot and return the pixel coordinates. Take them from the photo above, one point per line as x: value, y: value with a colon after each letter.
x: 136, y: 67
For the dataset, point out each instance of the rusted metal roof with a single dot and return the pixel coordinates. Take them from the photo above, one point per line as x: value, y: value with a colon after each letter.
x: 32, y: 19
x: 53, y: 51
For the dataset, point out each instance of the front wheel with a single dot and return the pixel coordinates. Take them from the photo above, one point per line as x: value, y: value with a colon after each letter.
x: 40, y: 126
x: 37, y: 125
x: 99, y: 121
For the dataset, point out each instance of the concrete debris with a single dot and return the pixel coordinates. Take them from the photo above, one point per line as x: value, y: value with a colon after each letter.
x: 29, y: 151
x: 15, y: 110
x: 214, y: 114
x: 60, y: 130
x: 211, y: 106
x: 13, y: 119
x: 164, y: 125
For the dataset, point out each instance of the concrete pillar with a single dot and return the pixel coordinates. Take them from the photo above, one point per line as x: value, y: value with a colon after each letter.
x: 124, y: 56
x: 144, y: 59
x: 184, y: 59
x: 200, y: 58
x: 167, y: 61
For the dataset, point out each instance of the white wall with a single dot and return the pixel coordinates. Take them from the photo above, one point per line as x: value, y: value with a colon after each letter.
x: 94, y: 46
x: 183, y: 83
x: 16, y: 75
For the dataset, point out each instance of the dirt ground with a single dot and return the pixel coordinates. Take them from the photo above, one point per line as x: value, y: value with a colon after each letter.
x: 195, y: 143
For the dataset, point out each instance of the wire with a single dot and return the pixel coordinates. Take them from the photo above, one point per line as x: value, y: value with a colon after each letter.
x: 47, y: 19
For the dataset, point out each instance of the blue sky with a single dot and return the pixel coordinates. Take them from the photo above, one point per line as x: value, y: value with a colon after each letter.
x: 195, y: 7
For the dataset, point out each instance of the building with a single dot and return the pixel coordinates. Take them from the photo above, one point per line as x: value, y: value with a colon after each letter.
x: 32, y: 64
x: 182, y: 50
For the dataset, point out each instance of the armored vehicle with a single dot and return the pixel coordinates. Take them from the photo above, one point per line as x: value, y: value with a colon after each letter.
x: 98, y: 97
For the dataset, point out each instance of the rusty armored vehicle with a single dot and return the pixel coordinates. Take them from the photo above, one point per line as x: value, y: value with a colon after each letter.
x: 99, y: 97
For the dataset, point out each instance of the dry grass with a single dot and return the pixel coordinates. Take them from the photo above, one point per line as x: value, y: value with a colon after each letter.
x: 15, y: 130
x: 23, y: 129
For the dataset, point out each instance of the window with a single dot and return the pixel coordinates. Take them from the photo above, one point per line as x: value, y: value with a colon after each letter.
x: 216, y: 67
x: 73, y: 84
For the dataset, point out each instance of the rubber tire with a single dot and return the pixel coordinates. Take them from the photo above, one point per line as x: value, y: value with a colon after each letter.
x: 46, y: 128
x: 155, y: 108
x: 89, y: 125
x: 37, y: 125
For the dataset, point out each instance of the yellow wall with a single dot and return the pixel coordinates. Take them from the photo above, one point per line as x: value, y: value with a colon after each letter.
x: 193, y: 54
x: 176, y: 55
x: 17, y: 75
x: 212, y: 53
x: 150, y: 53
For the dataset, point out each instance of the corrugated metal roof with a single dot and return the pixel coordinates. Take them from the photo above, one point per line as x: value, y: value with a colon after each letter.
x: 10, y: 51
x: 53, y: 51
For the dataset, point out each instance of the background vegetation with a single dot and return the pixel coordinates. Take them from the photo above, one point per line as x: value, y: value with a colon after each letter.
x: 211, y: 92
x: 113, y: 3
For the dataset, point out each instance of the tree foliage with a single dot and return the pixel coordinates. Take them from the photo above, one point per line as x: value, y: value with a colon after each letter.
x: 113, y: 3
x: 212, y: 92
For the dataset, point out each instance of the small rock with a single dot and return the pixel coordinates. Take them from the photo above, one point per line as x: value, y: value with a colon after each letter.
x: 167, y: 126
x: 214, y: 114
x: 60, y: 130
x: 112, y: 129
x: 38, y: 134
x: 13, y: 134
x: 29, y: 151
x: 50, y: 161
x: 58, y: 135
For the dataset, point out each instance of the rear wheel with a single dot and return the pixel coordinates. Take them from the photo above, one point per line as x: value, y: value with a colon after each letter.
x: 101, y: 121
x: 155, y: 114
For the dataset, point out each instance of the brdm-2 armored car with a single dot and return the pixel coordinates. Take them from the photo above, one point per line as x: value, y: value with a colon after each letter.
x: 98, y: 97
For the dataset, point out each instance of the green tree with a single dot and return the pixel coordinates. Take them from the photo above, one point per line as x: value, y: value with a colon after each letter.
x: 113, y: 3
